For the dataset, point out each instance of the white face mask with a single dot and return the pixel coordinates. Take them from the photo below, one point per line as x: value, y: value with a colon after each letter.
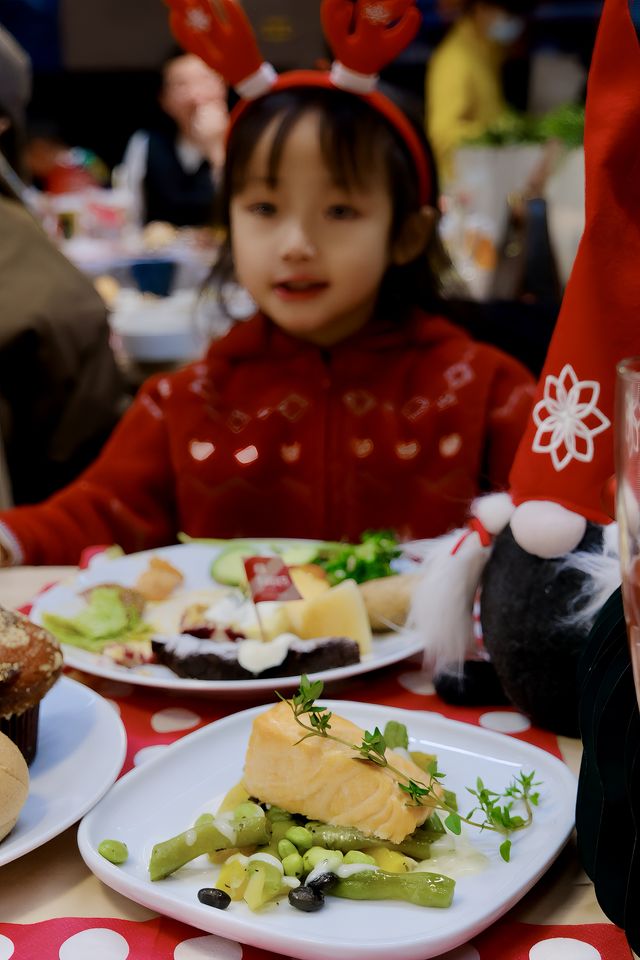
x: 506, y: 29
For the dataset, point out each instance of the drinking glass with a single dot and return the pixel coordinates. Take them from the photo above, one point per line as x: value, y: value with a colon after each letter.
x: 627, y: 449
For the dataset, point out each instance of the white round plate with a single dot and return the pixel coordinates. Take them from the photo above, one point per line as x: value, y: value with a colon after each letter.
x: 194, y: 561
x: 81, y: 749
x: 193, y: 775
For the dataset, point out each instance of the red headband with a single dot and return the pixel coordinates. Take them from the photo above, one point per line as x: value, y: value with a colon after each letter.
x: 365, y: 35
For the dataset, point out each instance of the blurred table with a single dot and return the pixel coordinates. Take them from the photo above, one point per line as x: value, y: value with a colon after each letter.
x: 53, y: 908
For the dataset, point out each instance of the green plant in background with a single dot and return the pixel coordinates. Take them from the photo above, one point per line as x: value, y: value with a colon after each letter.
x: 565, y: 124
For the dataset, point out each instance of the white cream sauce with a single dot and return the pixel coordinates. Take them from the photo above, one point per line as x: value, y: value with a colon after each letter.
x: 454, y: 857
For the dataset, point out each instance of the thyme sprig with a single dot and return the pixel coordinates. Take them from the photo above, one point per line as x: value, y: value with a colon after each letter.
x: 492, y: 811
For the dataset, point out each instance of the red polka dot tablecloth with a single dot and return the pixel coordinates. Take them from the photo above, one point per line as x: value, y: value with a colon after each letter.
x: 153, y: 719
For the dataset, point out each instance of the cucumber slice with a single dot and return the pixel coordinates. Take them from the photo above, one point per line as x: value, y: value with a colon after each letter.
x: 228, y: 567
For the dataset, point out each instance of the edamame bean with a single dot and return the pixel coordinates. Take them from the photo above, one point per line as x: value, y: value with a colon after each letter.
x: 356, y: 856
x: 293, y: 865
x: 115, y: 851
x: 286, y: 849
x: 300, y: 837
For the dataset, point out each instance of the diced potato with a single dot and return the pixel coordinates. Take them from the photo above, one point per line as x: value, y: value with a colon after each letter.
x: 391, y: 861
x: 233, y: 878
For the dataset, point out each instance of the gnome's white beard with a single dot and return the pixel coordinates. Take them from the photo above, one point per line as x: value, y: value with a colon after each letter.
x: 602, y: 577
x: 442, y: 607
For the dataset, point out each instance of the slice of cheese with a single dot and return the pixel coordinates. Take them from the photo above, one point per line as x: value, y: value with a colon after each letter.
x: 337, y: 612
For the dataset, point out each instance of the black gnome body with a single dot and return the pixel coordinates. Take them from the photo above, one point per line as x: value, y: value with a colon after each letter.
x: 528, y: 613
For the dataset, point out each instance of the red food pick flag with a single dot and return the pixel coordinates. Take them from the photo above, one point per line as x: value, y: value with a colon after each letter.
x: 269, y: 579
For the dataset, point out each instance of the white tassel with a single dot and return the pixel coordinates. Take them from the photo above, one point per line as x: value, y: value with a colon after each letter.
x: 442, y: 606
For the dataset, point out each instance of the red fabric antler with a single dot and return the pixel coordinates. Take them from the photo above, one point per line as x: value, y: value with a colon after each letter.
x: 366, y: 35
x: 219, y: 32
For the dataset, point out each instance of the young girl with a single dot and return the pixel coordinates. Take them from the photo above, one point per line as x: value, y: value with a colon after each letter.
x: 340, y: 406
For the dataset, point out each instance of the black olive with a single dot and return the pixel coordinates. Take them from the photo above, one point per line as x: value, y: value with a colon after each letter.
x: 324, y: 883
x: 306, y: 899
x: 213, y: 897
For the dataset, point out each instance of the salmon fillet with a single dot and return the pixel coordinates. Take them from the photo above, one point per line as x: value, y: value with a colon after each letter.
x: 320, y: 779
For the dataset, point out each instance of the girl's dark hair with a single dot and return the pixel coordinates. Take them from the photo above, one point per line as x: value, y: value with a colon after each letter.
x: 354, y: 137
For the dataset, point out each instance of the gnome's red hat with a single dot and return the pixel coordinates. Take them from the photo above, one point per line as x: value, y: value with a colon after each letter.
x: 365, y: 36
x: 565, y: 460
x: 566, y: 454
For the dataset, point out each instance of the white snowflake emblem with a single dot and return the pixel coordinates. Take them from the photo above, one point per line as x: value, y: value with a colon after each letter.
x: 568, y: 419
x: 198, y: 20
x: 376, y: 13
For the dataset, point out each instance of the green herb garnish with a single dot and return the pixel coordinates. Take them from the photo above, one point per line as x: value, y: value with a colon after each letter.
x: 493, y: 811
x: 367, y: 560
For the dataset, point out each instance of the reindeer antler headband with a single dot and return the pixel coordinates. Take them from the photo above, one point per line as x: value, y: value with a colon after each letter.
x: 365, y: 36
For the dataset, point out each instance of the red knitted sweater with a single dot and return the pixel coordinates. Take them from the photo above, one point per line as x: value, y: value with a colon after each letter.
x: 397, y: 426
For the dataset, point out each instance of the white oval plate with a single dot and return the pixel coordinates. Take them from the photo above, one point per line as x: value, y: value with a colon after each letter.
x: 81, y: 749
x: 193, y: 774
x: 194, y: 561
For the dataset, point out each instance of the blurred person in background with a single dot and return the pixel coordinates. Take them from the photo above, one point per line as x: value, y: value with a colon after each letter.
x: 61, y: 392
x: 464, y: 92
x: 172, y: 173
x: 15, y: 92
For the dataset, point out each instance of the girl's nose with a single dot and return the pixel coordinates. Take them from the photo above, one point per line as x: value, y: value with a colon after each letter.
x: 297, y: 242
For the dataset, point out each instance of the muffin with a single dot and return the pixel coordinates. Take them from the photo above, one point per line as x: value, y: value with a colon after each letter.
x: 14, y: 785
x: 30, y: 663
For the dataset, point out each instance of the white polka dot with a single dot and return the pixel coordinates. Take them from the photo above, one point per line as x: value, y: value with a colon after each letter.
x: 99, y: 944
x: 462, y: 953
x: 174, y: 718
x: 505, y: 721
x: 6, y: 948
x: 114, y: 706
x: 208, y: 948
x: 417, y: 682
x: 147, y: 753
x: 563, y: 948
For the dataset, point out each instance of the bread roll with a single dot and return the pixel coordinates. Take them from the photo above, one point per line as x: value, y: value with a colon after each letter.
x: 388, y: 599
x: 14, y: 784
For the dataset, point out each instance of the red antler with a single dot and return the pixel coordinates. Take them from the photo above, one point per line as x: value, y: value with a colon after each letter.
x: 366, y: 35
x: 219, y: 32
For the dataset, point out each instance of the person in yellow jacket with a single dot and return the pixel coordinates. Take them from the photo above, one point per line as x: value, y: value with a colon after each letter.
x: 464, y: 94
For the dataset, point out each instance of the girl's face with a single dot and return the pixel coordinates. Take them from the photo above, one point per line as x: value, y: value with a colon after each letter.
x: 311, y: 252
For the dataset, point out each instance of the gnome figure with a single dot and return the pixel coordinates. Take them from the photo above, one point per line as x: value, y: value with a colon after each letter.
x: 542, y: 559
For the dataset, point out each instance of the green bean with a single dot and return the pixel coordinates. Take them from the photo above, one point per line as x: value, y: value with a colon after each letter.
x: 170, y: 855
x: 416, y: 845
x: 423, y: 889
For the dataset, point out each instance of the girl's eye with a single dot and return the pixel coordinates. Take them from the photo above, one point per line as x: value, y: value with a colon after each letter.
x: 342, y: 211
x: 263, y: 209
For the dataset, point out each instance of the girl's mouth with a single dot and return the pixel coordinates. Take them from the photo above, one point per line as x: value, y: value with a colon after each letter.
x: 299, y: 289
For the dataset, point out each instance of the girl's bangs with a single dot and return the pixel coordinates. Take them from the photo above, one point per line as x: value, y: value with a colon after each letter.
x: 348, y: 128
